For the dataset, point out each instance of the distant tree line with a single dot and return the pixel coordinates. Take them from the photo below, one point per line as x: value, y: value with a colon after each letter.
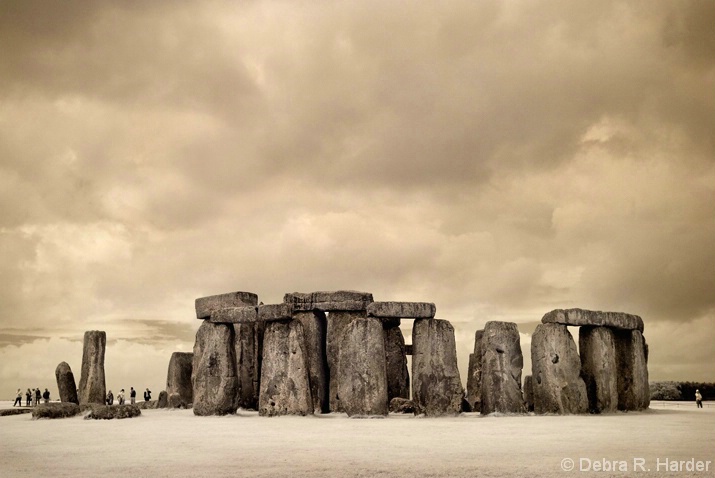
x: 681, y: 390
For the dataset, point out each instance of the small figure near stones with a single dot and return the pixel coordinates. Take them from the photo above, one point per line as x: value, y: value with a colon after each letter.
x: 698, y: 399
x: 28, y: 398
x: 110, y: 398
x: 120, y: 397
x: 18, y: 399
x: 46, y: 396
x: 37, y: 396
x: 132, y: 396
x: 147, y: 395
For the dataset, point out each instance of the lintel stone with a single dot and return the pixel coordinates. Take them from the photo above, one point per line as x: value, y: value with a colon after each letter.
x: 405, y: 310
x: 273, y: 312
x: 580, y: 317
x: 206, y: 305
x: 234, y: 315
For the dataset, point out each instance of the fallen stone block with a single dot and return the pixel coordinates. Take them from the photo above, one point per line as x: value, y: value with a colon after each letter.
x: 402, y: 405
x: 56, y: 410
x: 206, y: 305
x: 112, y: 412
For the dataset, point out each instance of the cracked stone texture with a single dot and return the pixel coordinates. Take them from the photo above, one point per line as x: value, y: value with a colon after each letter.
x: 502, y: 363
x: 214, y: 378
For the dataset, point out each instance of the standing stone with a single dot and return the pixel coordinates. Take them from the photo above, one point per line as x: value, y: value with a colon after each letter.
x: 337, y: 323
x: 245, y: 344
x: 214, y: 377
x: 598, y: 368
x: 92, y: 386
x: 363, y: 375
x: 66, y: 383
x: 178, y: 380
x: 315, y: 330
x: 398, y: 377
x: 285, y: 386
x: 633, y: 389
x: 163, y: 400
x: 529, y: 393
x: 474, y: 374
x: 556, y: 368
x: 502, y: 362
x: 436, y: 386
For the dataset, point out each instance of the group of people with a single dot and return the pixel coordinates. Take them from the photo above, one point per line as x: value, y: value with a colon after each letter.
x: 32, y: 398
x: 132, y: 396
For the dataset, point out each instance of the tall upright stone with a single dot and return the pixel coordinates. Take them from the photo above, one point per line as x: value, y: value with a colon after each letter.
x: 285, y: 385
x: 528, y: 390
x: 556, y: 370
x: 502, y: 363
x: 338, y: 321
x: 92, y: 385
x: 474, y: 374
x: 632, y: 372
x: 246, y: 344
x: 179, y: 390
x: 214, y: 376
x: 363, y: 375
x: 315, y: 331
x: 598, y: 368
x: 436, y: 386
x: 398, y: 377
x: 66, y: 383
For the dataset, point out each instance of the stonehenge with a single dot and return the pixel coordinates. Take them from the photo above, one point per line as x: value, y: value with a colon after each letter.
x: 92, y: 386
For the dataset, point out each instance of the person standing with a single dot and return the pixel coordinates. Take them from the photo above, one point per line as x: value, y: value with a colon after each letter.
x: 147, y: 395
x: 18, y: 399
x: 698, y: 399
x: 46, y: 396
x: 38, y: 395
x: 28, y: 398
x: 120, y: 397
x: 110, y: 398
x: 133, y: 396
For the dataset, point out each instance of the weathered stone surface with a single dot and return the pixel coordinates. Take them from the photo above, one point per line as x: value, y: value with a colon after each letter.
x: 337, y: 322
x: 598, y: 368
x: 406, y: 310
x: 163, y: 400
x: 502, y: 362
x: 206, y: 305
x: 632, y: 381
x: 436, y: 386
x: 270, y: 312
x: 147, y: 404
x: 17, y: 411
x: 401, y: 405
x: 56, y: 410
x: 234, y: 315
x: 66, y: 384
x: 285, y: 386
x: 246, y: 345
x: 342, y: 300
x: 398, y: 377
x: 580, y: 317
x: 315, y: 332
x: 178, y: 380
x: 528, y: 390
x: 106, y: 412
x: 362, y: 388
x: 214, y: 377
x: 474, y: 374
x: 92, y: 386
x: 556, y: 369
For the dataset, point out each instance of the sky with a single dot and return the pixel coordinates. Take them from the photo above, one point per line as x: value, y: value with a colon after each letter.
x: 500, y: 159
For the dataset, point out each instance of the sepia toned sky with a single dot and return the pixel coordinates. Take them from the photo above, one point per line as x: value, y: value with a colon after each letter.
x: 500, y: 159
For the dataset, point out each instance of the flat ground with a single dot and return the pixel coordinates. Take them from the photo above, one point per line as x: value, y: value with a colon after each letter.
x: 175, y: 443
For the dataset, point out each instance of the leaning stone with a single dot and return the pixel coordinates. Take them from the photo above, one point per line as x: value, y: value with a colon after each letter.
x: 406, y: 310
x: 66, y: 383
x: 502, y: 363
x: 581, y: 317
x: 163, y: 400
x: 474, y: 374
x: 401, y: 405
x: 598, y: 368
x: 342, y: 300
x: 206, y: 305
x: 270, y: 312
x: 92, y: 386
x: 106, y: 412
x: 234, y: 315
x: 633, y: 388
x: 363, y: 376
x: 529, y: 393
x: 214, y: 377
x: 556, y: 370
x: 314, y: 331
x: 436, y: 386
x: 246, y: 340
x: 178, y: 380
x: 285, y: 386
x: 398, y: 376
x: 337, y: 323
x: 56, y: 410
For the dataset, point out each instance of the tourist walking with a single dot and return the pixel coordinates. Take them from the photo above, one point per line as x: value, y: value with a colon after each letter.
x: 28, y: 397
x: 120, y: 397
x: 698, y: 399
x: 46, y: 396
x: 110, y: 398
x: 147, y: 395
x: 18, y: 399
x: 38, y: 395
x: 133, y: 396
